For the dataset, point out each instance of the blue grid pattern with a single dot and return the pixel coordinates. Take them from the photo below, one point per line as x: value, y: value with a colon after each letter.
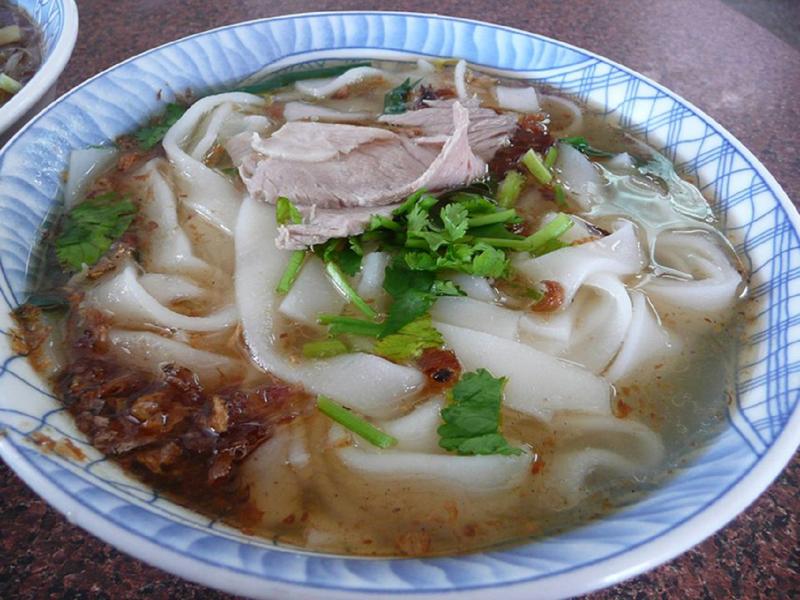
x: 754, y: 211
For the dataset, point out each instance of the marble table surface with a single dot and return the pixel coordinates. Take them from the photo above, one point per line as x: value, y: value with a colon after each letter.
x: 731, y: 67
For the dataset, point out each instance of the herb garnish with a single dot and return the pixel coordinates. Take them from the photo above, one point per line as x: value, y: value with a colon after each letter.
x: 472, y: 419
x: 148, y: 137
x: 410, y: 341
x: 285, y: 213
x: 579, y: 143
x: 91, y: 227
x: 395, y: 101
x: 284, y: 79
x: 354, y: 423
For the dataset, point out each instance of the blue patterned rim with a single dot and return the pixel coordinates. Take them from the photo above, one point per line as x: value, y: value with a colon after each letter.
x: 717, y: 482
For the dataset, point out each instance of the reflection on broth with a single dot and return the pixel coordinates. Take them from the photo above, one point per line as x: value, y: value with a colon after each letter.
x: 387, y: 309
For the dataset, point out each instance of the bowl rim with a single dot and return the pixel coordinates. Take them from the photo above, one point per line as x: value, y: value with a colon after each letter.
x: 598, y: 574
x: 48, y: 73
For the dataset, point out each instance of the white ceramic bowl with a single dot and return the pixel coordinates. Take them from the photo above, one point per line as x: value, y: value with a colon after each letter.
x: 717, y: 480
x: 57, y: 21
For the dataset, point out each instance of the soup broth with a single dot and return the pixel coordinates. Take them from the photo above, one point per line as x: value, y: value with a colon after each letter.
x: 20, y: 50
x: 387, y: 309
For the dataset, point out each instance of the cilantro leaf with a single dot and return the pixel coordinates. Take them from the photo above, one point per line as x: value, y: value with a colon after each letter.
x: 455, y: 217
x: 409, y: 342
x: 472, y: 419
x: 414, y: 293
x: 476, y: 204
x: 445, y: 287
x: 407, y: 307
x: 394, y: 102
x: 148, y: 137
x: 488, y: 261
x: 91, y: 227
x: 344, y: 252
x: 397, y: 279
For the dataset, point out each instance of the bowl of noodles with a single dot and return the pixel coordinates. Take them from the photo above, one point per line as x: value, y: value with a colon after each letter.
x: 36, y: 41
x: 348, y: 304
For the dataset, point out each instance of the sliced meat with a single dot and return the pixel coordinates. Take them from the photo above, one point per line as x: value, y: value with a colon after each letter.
x: 329, y: 223
x: 324, y: 167
x: 488, y: 130
x: 333, y: 165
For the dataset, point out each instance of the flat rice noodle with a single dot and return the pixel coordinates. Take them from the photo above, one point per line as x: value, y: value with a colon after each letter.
x: 460, y: 79
x: 479, y: 316
x: 150, y: 351
x: 593, y: 451
x: 210, y: 130
x: 473, y: 475
x: 274, y: 486
x: 170, y: 288
x: 203, y: 190
x: 368, y: 384
x: 538, y: 384
x: 619, y: 254
x: 620, y: 163
x: 646, y: 340
x: 566, y: 117
x: 166, y: 248
x: 298, y: 111
x: 416, y: 431
x: 370, y: 285
x: 597, y: 322
x: 326, y: 87
x: 475, y: 287
x: 581, y: 180
x: 519, y: 99
x: 581, y: 230
x: 85, y: 164
x: 311, y: 295
x: 122, y: 296
x: 711, y: 284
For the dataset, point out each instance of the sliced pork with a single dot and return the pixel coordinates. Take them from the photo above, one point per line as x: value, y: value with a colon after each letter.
x: 339, y: 175
x: 488, y: 130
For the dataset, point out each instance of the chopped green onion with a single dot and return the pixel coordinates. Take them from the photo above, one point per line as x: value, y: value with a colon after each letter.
x: 284, y: 79
x: 417, y: 243
x: 296, y: 259
x: 579, y: 143
x: 559, y: 196
x: 341, y: 325
x: 354, y: 423
x: 534, y: 293
x: 535, y: 242
x: 554, y: 229
x: 550, y: 157
x: 339, y: 280
x: 509, y: 189
x: 520, y: 245
x: 287, y: 213
x: 324, y: 349
x: 10, y: 34
x: 379, y: 221
x: 533, y: 162
x: 500, y: 216
x: 9, y: 84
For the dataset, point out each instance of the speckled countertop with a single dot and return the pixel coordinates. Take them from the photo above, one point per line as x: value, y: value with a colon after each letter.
x: 741, y: 74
